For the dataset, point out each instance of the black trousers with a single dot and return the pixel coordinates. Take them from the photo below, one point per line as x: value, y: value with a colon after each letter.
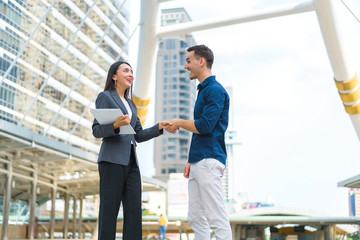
x: 118, y: 184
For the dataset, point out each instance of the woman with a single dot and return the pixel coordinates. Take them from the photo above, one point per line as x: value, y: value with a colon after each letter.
x: 118, y: 165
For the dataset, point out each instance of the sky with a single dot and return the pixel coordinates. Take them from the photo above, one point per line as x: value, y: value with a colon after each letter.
x: 297, y: 141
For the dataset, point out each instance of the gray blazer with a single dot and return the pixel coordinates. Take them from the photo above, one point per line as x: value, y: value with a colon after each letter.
x: 116, y: 148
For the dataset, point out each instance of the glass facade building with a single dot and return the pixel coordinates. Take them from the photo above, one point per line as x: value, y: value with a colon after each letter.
x: 54, y: 57
x: 175, y: 96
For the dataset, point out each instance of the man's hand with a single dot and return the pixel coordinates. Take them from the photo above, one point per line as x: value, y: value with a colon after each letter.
x: 187, y: 170
x: 173, y: 126
x: 121, y: 121
x: 163, y: 125
x: 176, y: 124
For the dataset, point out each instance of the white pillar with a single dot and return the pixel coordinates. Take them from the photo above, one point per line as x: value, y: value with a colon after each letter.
x: 33, y: 203
x: 233, y: 230
x: 7, y: 199
x: 331, y: 14
x: 52, y: 213
x: 145, y: 74
x: 66, y: 215
x: 74, y: 219
x: 81, y: 235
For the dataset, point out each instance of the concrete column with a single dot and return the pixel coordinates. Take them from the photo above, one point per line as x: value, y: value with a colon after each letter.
x: 242, y: 232
x: 74, y: 219
x: 81, y: 235
x: 33, y: 203
x: 7, y: 199
x: 332, y: 232
x: 180, y: 233
x: 319, y: 233
x: 52, y: 214
x: 95, y: 231
x: 237, y: 232
x: 233, y: 230
x: 66, y: 215
x: 328, y: 233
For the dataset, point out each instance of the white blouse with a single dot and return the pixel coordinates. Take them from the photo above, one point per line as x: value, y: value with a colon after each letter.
x: 127, y: 106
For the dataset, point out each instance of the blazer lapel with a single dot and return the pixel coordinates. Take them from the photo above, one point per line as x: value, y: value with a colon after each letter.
x: 119, y: 102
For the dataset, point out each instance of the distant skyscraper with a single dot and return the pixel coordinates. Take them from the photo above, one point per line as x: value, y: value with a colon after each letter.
x: 175, y: 96
x: 230, y: 141
x: 354, y: 202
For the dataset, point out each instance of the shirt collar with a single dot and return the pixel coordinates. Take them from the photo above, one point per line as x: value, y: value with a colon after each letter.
x: 206, y: 82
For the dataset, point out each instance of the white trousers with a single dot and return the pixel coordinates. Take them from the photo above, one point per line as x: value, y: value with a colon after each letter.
x: 206, y: 201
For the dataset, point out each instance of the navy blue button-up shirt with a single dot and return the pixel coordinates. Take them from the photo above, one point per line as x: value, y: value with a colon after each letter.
x: 211, y: 115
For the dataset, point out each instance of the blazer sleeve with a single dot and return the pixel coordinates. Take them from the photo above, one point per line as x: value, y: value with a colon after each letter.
x: 102, y: 131
x: 143, y: 135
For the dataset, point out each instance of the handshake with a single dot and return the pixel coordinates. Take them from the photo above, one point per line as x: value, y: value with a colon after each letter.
x: 170, y: 126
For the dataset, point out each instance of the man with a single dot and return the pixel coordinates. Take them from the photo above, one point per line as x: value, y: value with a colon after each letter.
x: 207, y: 156
x: 162, y: 228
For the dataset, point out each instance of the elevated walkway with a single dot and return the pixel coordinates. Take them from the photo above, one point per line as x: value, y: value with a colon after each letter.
x: 352, y: 182
x: 244, y: 225
x: 36, y: 169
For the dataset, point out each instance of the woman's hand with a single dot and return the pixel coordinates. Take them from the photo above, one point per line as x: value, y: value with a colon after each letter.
x: 163, y: 125
x: 121, y: 121
x: 173, y: 126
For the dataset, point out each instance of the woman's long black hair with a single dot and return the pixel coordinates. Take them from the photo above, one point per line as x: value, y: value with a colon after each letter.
x: 110, y: 82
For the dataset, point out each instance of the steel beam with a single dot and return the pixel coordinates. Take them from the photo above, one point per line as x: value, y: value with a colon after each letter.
x: 33, y: 203
x: 74, y: 218
x: 330, y: 14
x: 52, y: 213
x: 7, y: 199
x: 188, y: 27
x: 81, y: 235
x: 66, y: 215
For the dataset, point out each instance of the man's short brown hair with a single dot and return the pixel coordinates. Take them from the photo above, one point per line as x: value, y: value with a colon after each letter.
x: 202, y: 51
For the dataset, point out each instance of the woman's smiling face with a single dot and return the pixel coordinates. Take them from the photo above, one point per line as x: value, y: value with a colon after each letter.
x: 124, y: 76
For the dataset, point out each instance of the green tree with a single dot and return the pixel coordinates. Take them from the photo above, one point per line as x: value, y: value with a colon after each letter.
x: 353, y: 236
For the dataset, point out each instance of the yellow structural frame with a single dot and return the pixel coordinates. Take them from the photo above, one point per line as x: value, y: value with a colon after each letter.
x: 352, y: 95
x: 142, y: 107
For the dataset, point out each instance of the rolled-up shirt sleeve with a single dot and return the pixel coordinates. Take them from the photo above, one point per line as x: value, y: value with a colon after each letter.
x: 213, y: 106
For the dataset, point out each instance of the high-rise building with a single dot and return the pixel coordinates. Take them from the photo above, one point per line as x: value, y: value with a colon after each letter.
x: 54, y: 57
x: 175, y: 96
x: 354, y: 202
x: 230, y: 141
x: 228, y: 177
